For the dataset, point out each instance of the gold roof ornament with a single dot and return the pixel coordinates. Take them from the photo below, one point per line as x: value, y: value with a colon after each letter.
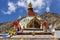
x: 30, y: 5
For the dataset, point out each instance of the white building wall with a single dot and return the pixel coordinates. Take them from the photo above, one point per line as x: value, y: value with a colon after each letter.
x: 26, y: 20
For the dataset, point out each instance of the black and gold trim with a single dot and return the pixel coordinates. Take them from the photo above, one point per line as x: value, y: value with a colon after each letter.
x: 34, y: 23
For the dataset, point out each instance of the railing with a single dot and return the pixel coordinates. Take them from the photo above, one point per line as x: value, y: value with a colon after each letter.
x: 27, y: 39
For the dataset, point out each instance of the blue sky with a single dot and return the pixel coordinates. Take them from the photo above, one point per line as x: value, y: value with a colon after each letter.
x: 11, y: 10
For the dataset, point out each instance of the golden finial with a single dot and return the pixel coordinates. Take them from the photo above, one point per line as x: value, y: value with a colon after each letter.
x: 30, y: 5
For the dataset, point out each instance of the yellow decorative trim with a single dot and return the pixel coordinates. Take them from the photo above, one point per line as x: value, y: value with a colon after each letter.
x: 12, y: 32
x: 52, y: 33
x: 33, y: 33
x: 34, y: 19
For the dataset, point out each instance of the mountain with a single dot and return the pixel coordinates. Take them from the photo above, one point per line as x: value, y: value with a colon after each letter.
x: 4, y: 27
x: 52, y: 18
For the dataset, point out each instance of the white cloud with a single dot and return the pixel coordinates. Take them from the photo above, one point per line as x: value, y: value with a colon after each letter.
x: 38, y: 4
x: 11, y: 8
x: 48, y: 5
x: 47, y: 9
x: 36, y: 11
x: 19, y: 3
x: 35, y: 3
x: 19, y: 17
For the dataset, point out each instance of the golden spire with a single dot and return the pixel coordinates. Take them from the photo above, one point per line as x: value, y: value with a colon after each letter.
x: 30, y: 5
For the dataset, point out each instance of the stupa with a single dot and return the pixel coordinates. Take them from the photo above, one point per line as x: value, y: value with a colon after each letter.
x: 32, y: 20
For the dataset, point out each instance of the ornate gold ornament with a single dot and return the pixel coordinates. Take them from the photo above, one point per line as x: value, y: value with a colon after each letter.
x: 33, y: 33
x: 30, y: 5
x: 34, y: 19
x: 12, y: 32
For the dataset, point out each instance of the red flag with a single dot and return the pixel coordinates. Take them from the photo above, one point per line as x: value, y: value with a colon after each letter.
x: 15, y: 23
x: 45, y: 23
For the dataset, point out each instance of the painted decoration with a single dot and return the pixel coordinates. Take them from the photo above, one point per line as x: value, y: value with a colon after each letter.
x: 15, y: 23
